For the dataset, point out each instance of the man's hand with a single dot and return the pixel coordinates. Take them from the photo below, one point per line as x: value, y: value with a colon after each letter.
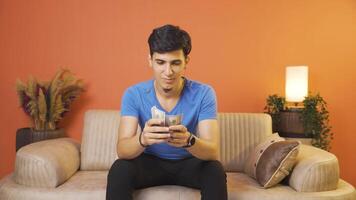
x: 154, y: 132
x: 179, y: 136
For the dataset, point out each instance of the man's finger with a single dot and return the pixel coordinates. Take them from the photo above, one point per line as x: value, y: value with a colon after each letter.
x: 175, y: 141
x: 179, y: 128
x: 155, y: 122
x: 178, y: 135
x: 158, y: 129
x: 157, y: 135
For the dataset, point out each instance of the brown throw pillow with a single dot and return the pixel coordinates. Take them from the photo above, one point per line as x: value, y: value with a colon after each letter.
x: 272, y: 160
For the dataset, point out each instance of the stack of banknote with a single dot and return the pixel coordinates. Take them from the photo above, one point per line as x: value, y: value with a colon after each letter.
x: 168, y: 120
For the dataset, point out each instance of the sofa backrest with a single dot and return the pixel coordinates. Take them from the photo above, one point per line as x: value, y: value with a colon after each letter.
x: 99, y: 139
x: 240, y: 133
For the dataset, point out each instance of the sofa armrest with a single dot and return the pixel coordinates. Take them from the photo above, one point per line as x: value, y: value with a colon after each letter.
x: 316, y: 170
x: 47, y: 163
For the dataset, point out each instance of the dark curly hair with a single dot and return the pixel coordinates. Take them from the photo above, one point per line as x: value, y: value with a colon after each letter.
x: 169, y: 38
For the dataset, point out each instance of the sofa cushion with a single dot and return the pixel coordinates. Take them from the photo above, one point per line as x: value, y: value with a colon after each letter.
x: 91, y: 185
x: 243, y: 187
x: 272, y: 160
x: 48, y: 163
x: 254, y: 156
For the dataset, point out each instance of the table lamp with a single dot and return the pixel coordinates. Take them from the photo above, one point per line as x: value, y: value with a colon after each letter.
x: 296, y: 85
x: 296, y: 89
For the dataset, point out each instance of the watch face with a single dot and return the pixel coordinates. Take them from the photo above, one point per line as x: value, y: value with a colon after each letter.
x: 192, y: 141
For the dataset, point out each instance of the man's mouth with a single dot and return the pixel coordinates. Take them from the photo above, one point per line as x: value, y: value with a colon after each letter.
x: 169, y: 80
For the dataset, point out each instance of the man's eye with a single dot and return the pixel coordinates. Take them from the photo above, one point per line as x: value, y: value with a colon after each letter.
x: 160, y: 62
x: 176, y: 63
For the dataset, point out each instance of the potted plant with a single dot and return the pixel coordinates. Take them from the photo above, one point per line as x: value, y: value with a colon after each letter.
x: 310, y: 121
x: 275, y: 105
x: 315, y: 118
x: 46, y: 104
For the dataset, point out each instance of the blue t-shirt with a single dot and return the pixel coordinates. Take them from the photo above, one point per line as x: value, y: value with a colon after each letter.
x: 197, y: 102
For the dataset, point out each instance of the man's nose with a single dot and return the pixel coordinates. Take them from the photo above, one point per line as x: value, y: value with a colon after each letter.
x: 168, y: 70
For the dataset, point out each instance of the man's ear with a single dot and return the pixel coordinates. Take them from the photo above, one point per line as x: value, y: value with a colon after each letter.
x: 149, y: 60
x: 187, y: 59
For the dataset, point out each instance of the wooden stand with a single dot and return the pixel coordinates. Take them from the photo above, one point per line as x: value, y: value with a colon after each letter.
x: 25, y: 136
x: 291, y: 126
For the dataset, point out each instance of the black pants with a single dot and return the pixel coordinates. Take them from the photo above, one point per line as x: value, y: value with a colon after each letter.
x: 146, y: 171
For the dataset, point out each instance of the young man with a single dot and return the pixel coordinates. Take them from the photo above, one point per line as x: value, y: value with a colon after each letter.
x: 184, y: 154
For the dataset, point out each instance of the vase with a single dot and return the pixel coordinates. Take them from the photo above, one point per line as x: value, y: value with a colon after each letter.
x: 25, y: 136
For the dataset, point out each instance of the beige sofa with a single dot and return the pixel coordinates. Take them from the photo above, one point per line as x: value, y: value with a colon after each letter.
x: 64, y: 169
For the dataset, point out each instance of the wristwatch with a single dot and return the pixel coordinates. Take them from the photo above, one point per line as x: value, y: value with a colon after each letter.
x: 190, y: 141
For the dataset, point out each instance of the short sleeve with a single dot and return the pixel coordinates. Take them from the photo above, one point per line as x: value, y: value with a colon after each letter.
x: 129, y: 103
x: 208, y: 109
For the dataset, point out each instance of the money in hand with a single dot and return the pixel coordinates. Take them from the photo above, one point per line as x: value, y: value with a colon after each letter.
x: 158, y: 114
x: 169, y: 120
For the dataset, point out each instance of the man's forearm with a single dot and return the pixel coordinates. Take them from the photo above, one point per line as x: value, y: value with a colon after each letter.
x: 204, y: 150
x: 129, y: 148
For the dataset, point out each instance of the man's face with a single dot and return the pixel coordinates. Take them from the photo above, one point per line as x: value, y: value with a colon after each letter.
x: 168, y: 68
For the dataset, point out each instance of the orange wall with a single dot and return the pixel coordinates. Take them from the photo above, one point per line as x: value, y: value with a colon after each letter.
x: 239, y: 47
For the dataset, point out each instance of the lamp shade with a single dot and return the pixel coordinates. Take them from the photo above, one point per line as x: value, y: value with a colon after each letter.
x: 296, y: 83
